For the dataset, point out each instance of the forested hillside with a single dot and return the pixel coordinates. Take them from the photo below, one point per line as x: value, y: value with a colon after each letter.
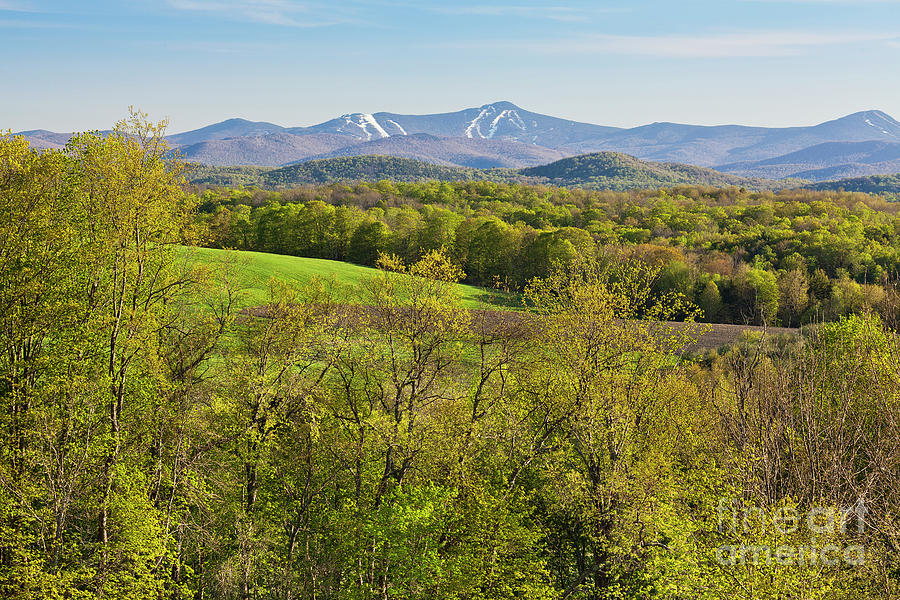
x: 602, y: 171
x: 351, y: 169
x: 615, y: 171
x: 158, y: 442
x: 784, y: 258
x: 873, y: 184
x: 372, y: 168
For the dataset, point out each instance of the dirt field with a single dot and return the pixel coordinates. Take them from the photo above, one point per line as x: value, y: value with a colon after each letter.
x: 710, y: 336
x: 722, y: 334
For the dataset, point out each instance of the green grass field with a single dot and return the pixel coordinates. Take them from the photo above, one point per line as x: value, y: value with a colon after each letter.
x: 254, y: 270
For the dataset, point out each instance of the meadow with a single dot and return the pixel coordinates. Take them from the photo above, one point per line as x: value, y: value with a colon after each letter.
x: 254, y: 270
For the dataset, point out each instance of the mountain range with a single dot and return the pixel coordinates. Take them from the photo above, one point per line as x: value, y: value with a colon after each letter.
x: 503, y: 135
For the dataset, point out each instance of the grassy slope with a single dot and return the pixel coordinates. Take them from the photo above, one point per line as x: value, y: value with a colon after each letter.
x: 254, y: 270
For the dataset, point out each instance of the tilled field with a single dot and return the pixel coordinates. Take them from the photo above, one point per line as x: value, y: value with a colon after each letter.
x: 501, y: 323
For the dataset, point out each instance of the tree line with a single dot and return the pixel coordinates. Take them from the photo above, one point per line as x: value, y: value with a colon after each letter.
x: 786, y: 258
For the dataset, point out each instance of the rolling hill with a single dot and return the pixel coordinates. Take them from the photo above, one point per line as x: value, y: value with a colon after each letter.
x: 605, y: 170
x: 871, y: 184
x: 41, y: 139
x: 370, y: 168
x: 276, y: 148
x: 616, y: 171
x: 253, y: 270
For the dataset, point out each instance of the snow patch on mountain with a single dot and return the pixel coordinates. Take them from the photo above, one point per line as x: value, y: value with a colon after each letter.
x: 884, y: 131
x: 397, y: 125
x: 510, y: 116
x: 497, y: 119
x: 885, y: 121
x: 495, y: 124
x: 363, y: 121
x: 475, y: 124
x: 370, y: 120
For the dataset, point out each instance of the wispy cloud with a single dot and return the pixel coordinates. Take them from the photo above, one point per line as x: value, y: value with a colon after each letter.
x: 554, y: 13
x: 13, y: 24
x: 224, y: 47
x: 8, y: 5
x: 270, y: 12
x: 724, y: 45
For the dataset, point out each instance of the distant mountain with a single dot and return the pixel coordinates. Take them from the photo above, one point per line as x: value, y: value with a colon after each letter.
x: 41, y: 139
x: 266, y: 150
x: 605, y: 171
x: 613, y: 170
x: 231, y: 128
x: 728, y: 144
x: 830, y: 160
x: 454, y: 151
x: 501, y: 134
x: 496, y: 121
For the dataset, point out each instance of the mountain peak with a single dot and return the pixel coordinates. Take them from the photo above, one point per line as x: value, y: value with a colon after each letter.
x: 880, y: 114
x: 501, y: 105
x: 874, y: 121
x: 237, y: 122
x: 36, y: 132
x: 230, y: 128
x: 870, y: 113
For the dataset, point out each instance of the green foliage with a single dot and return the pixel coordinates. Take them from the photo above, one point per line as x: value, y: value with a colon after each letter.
x: 871, y: 184
x: 616, y: 171
x: 158, y: 442
x: 232, y: 177
x: 830, y: 254
x: 602, y: 171
x: 710, y: 301
x: 757, y: 290
x: 372, y: 168
x: 249, y: 274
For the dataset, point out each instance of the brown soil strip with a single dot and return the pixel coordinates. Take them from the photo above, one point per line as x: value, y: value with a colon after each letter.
x: 500, y: 323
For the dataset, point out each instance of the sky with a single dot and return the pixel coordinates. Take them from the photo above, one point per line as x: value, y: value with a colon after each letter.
x: 71, y: 65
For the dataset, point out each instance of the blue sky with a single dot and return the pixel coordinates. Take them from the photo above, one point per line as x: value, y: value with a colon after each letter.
x: 79, y: 65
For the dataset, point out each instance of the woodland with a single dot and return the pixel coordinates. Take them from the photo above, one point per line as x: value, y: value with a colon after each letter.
x: 157, y: 441
x: 788, y: 258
